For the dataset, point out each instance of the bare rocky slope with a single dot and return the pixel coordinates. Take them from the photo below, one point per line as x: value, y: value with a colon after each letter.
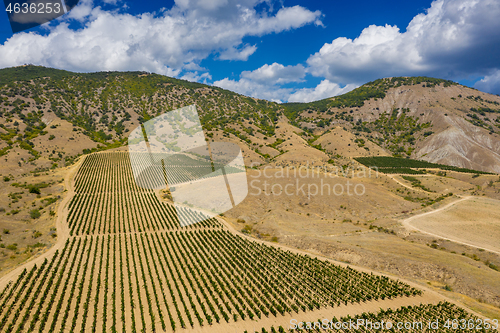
x: 447, y: 124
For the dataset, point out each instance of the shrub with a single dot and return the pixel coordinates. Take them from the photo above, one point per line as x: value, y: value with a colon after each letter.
x: 34, y: 189
x: 247, y: 229
x: 12, y: 247
x: 35, y: 213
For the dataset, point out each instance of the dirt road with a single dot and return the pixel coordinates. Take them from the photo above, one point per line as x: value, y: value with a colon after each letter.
x: 407, y: 224
x: 404, y: 185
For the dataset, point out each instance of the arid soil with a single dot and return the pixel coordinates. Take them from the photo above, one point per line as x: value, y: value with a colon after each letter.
x: 470, y: 221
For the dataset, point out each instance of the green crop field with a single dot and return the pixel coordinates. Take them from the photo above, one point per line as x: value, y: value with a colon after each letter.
x: 401, y: 165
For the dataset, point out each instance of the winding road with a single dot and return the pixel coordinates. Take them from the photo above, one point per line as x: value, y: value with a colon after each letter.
x: 407, y: 224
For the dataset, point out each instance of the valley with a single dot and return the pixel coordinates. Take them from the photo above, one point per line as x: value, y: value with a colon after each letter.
x: 135, y: 274
x: 394, y: 185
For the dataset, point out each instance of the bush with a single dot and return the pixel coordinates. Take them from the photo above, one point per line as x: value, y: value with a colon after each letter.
x: 247, y: 229
x: 6, y: 231
x: 35, y: 213
x: 34, y: 189
x: 12, y: 247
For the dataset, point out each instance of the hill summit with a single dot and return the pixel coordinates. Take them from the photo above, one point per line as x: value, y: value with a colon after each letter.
x: 439, y: 121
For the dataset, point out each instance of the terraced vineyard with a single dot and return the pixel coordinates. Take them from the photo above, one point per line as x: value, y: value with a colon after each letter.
x: 387, y: 164
x: 129, y: 266
x: 108, y: 200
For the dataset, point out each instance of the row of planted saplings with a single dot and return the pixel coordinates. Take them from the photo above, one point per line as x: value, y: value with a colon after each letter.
x: 126, y: 210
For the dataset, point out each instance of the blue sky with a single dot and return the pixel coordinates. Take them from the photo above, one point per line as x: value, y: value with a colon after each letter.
x: 288, y: 50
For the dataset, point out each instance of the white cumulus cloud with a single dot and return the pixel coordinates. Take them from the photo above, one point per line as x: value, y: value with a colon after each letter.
x: 265, y: 82
x: 195, y: 77
x: 323, y: 90
x: 490, y: 83
x: 453, y: 38
x: 238, y: 54
x: 275, y: 74
x: 168, y: 42
x: 254, y: 89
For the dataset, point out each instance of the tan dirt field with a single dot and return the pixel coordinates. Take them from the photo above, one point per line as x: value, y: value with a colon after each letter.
x: 61, y: 227
x: 471, y: 221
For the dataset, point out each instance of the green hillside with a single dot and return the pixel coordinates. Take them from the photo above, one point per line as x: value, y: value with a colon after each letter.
x: 105, y: 106
x: 102, y: 105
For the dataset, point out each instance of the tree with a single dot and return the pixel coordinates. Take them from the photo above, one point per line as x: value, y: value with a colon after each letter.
x: 34, y: 189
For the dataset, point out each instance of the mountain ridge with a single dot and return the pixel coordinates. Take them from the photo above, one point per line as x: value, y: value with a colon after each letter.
x: 415, y: 117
